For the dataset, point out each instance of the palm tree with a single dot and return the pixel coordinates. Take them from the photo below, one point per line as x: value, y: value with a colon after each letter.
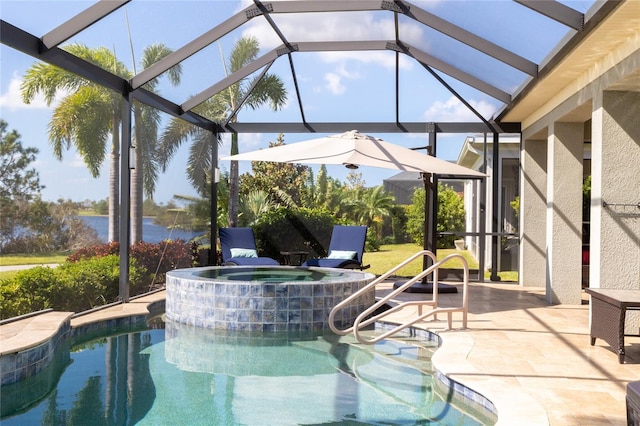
x: 147, y: 119
x: 254, y: 205
x: 99, y: 108
x: 269, y: 89
x: 369, y: 206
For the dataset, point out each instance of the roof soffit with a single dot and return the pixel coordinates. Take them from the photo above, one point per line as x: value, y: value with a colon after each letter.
x: 609, y: 42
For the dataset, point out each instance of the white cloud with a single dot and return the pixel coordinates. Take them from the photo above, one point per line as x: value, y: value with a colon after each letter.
x: 334, y: 80
x: 338, y: 27
x: 334, y: 83
x: 246, y: 142
x: 12, y: 100
x: 453, y: 110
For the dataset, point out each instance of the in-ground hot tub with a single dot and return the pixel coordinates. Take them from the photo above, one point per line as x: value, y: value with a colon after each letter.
x: 272, y: 298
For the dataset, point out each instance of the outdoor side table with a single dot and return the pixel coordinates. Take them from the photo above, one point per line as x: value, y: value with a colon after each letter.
x: 302, y: 256
x: 608, y: 311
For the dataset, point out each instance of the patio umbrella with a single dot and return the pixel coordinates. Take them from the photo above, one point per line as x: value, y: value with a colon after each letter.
x: 353, y: 149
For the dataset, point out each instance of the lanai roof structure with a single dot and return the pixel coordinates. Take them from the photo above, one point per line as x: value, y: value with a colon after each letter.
x: 499, y: 58
x: 517, y: 56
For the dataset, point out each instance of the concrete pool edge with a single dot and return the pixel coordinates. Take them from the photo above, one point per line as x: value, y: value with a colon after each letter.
x: 511, y: 403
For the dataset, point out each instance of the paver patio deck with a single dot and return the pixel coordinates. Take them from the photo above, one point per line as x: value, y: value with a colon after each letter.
x: 532, y: 360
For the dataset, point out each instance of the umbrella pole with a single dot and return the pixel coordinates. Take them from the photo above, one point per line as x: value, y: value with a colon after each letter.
x: 428, y: 187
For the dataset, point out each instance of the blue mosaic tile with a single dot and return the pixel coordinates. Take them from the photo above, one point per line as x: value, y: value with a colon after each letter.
x: 281, y: 303
x: 294, y: 303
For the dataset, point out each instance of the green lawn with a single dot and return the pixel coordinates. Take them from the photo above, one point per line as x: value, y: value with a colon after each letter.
x: 392, y: 255
x: 32, y: 259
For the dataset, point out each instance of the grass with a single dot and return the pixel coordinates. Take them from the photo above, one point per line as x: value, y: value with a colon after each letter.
x: 391, y: 255
x: 33, y: 259
x: 29, y: 259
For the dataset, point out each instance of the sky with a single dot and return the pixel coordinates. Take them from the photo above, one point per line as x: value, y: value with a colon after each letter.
x: 334, y: 86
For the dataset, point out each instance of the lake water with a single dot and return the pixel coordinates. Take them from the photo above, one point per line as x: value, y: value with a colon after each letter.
x: 151, y: 232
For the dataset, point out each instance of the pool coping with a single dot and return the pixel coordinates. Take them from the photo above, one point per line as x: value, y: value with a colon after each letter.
x: 510, y: 404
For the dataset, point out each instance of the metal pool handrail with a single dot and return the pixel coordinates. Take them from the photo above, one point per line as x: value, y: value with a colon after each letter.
x: 362, y: 321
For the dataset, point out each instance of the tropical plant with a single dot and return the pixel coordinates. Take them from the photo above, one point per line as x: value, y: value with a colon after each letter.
x: 253, y: 206
x: 100, y: 109
x: 324, y: 192
x: 223, y: 106
x: 371, y: 206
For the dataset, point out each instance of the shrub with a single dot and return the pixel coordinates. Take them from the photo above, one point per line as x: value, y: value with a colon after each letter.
x: 41, y: 227
x: 287, y: 229
x: 156, y: 258
x: 73, y: 286
x: 451, y: 216
x: 160, y: 258
x: 28, y: 291
x: 372, y: 242
x: 94, y: 282
x: 98, y: 250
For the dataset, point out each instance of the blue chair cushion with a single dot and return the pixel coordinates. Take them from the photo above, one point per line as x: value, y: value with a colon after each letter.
x: 243, y: 252
x: 342, y: 254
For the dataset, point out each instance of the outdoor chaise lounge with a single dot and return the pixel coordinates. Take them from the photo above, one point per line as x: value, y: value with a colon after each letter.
x: 239, y: 248
x: 345, y: 249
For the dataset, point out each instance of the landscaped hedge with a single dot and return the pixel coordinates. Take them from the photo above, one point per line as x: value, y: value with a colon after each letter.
x: 157, y: 258
x: 72, y: 286
x: 90, y: 278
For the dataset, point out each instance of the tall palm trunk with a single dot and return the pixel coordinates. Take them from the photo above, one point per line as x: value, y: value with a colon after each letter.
x: 114, y: 182
x: 137, y: 184
x: 136, y: 199
x: 234, y: 184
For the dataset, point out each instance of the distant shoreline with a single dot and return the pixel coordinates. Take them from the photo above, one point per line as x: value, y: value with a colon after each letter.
x: 89, y: 214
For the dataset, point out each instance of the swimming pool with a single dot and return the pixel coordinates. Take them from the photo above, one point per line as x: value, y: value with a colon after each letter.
x: 185, y: 375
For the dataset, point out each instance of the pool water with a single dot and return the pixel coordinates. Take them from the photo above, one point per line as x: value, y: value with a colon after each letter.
x: 270, y: 274
x: 183, y: 375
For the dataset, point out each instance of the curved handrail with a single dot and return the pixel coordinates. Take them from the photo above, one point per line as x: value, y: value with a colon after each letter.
x: 362, y: 321
x: 372, y: 285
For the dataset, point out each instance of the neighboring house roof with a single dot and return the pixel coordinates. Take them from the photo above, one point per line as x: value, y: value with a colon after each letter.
x: 402, y: 185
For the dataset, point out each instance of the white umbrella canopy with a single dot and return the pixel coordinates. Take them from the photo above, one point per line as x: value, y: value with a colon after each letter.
x: 355, y: 149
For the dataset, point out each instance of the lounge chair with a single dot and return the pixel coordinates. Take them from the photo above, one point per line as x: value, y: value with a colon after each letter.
x: 239, y: 248
x: 345, y: 249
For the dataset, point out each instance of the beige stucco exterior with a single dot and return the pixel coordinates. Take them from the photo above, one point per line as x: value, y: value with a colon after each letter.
x: 591, y: 96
